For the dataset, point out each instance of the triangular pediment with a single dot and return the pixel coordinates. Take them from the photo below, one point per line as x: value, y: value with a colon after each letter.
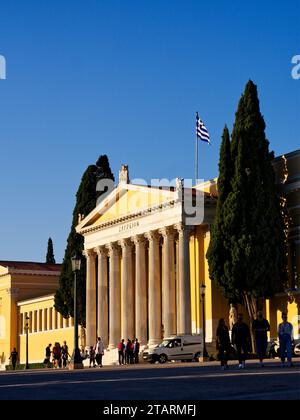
x: 126, y: 200
x: 3, y: 270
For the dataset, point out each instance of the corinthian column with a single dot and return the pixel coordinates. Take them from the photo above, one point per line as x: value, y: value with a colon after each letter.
x: 114, y: 296
x: 102, y: 321
x: 140, y: 289
x: 168, y: 283
x: 127, y: 291
x: 184, y: 284
x: 154, y: 289
x: 90, y: 297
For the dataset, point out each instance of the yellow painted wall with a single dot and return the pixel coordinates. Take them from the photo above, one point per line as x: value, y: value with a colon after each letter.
x: 280, y: 304
x: 39, y: 340
x: 37, y: 343
x: 5, y: 319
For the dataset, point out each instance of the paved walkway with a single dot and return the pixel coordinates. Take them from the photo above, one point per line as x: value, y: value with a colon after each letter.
x: 173, y: 381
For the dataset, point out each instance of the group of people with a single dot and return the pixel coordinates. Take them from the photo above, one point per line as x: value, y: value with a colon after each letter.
x: 129, y: 351
x: 60, y: 355
x: 241, y: 339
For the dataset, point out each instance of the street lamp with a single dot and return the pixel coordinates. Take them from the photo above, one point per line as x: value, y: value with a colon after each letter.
x: 202, y: 292
x: 27, y: 328
x: 76, y: 361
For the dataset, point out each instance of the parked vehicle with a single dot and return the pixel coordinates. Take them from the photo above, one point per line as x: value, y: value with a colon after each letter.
x: 273, y: 349
x: 296, y: 347
x: 177, y: 347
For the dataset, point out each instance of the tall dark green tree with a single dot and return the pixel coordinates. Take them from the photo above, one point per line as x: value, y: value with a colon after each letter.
x: 50, y: 254
x: 217, y: 254
x: 86, y: 199
x: 247, y: 259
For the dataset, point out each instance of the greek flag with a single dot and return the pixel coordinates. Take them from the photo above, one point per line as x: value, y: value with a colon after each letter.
x: 201, y: 130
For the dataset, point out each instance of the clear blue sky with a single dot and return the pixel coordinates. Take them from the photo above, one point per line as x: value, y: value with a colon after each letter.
x: 125, y: 78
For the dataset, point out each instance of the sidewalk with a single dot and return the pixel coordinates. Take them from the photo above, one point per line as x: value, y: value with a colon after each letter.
x: 253, y: 363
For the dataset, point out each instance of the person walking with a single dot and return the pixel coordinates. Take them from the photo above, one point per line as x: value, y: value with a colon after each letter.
x: 260, y: 327
x: 57, y: 355
x: 223, y: 343
x: 14, y: 356
x: 64, y: 354
x: 99, y: 350
x: 48, y: 355
x: 241, y: 339
x: 136, y: 350
x: 286, y: 336
x: 121, y: 349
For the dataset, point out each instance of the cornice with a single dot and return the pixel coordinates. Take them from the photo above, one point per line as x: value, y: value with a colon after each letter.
x: 209, y: 201
x: 12, y: 271
x: 128, y: 217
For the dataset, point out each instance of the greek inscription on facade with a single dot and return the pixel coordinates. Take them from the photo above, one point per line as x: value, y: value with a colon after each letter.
x: 128, y: 226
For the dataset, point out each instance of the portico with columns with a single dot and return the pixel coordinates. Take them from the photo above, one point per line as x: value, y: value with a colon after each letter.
x: 137, y: 248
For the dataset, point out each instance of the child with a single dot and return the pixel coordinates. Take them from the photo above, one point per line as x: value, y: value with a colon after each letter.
x: 92, y: 357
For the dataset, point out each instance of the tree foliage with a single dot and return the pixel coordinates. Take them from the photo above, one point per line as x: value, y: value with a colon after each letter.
x: 247, y: 253
x: 50, y: 254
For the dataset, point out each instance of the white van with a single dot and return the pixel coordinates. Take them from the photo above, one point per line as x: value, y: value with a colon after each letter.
x: 177, y: 347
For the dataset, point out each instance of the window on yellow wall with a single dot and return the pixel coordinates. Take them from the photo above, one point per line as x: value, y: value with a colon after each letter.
x: 45, y: 319
x: 30, y: 322
x: 21, y: 324
x: 40, y: 328
x: 35, y: 316
x: 25, y: 321
x: 50, y: 326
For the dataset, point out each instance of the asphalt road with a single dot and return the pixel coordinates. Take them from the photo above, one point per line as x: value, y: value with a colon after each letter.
x: 182, y: 381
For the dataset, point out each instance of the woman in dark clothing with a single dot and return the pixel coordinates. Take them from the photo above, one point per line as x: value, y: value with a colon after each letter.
x: 223, y: 343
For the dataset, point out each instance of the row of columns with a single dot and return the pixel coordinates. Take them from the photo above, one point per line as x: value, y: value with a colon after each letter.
x: 122, y: 310
x: 45, y: 319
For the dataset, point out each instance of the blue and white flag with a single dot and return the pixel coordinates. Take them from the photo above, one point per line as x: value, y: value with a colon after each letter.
x: 201, y: 130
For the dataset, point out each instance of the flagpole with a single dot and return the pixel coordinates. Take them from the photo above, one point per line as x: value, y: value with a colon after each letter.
x: 196, y: 157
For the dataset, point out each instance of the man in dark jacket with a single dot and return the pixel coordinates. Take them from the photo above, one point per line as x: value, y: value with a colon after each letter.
x: 241, y: 339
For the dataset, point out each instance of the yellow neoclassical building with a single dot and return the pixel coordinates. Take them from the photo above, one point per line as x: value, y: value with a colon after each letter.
x: 145, y: 248
x: 146, y: 258
x: 27, y: 291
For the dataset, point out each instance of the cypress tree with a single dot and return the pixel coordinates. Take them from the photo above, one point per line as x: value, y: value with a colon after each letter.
x: 50, y: 254
x: 217, y: 254
x: 86, y: 198
x: 253, y: 239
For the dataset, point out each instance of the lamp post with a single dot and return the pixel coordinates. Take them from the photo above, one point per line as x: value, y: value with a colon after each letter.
x: 76, y: 361
x: 27, y: 328
x: 204, y: 353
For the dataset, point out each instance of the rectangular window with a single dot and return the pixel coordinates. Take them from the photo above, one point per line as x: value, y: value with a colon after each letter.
x: 55, y: 319
x: 50, y: 325
x: 30, y: 322
x: 35, y: 318
x: 21, y: 324
x: 45, y: 319
x: 40, y: 320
